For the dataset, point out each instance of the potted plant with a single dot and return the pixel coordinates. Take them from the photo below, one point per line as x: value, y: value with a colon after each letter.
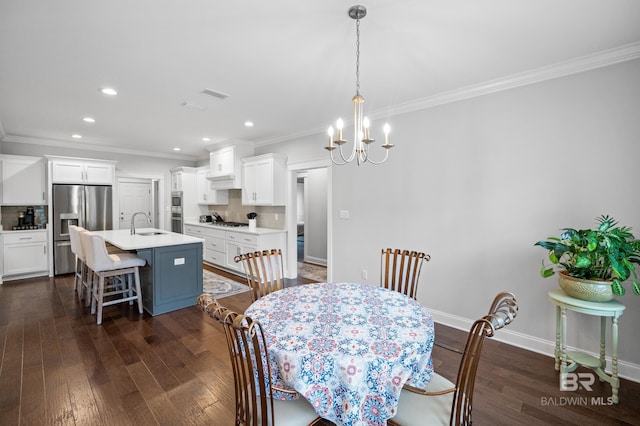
x: 593, y: 263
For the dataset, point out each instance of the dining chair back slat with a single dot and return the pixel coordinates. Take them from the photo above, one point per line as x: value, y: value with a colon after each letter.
x: 430, y: 405
x: 264, y: 271
x: 253, y: 390
x: 400, y: 270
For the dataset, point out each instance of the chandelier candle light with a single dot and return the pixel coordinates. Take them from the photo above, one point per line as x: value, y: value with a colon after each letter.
x: 361, y: 123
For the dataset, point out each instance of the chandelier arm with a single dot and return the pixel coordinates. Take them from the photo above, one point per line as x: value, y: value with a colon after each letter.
x: 351, y: 157
x: 386, y: 155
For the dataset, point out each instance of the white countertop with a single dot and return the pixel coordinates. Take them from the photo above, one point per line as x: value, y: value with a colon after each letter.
x: 7, y: 231
x: 242, y: 229
x: 123, y: 239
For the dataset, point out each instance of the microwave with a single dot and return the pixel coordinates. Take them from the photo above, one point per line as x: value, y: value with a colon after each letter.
x: 176, y: 199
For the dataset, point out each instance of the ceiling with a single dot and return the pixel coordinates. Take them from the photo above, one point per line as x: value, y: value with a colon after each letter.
x: 287, y: 65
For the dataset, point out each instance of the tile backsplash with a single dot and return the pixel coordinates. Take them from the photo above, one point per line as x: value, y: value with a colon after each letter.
x: 268, y: 216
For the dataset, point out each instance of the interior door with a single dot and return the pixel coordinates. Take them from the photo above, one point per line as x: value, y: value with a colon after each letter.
x: 135, y: 197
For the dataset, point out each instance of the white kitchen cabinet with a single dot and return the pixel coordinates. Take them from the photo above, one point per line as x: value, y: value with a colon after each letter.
x: 264, y: 180
x: 184, y: 179
x: 236, y: 244
x: 221, y: 245
x: 205, y: 194
x: 24, y: 252
x: 215, y: 246
x: 23, y: 180
x: 176, y: 180
x: 225, y: 166
x: 82, y: 171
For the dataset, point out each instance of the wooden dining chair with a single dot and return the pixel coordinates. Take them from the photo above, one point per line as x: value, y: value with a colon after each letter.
x: 264, y: 271
x: 252, y: 373
x: 400, y: 270
x: 442, y: 402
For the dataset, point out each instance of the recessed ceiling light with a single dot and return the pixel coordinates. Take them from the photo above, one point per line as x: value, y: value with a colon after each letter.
x: 206, y: 139
x: 176, y: 149
x: 76, y: 136
x: 108, y: 91
x: 89, y: 120
x: 248, y: 123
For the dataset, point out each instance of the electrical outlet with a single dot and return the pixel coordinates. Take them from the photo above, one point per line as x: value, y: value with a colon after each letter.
x: 365, y: 274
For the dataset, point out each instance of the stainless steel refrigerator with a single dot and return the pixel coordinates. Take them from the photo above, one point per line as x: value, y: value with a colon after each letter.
x: 88, y: 206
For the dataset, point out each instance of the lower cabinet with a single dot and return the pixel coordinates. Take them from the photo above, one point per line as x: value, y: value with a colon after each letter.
x: 24, y: 253
x: 215, y: 247
x: 221, y: 246
x: 238, y: 243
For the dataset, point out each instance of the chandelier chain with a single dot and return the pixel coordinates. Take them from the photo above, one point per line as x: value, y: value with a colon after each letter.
x: 357, y: 56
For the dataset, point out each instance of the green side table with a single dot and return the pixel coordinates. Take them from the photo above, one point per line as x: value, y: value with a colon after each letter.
x: 611, y: 309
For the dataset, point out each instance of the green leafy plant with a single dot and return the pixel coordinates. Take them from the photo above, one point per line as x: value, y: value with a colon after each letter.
x: 607, y: 253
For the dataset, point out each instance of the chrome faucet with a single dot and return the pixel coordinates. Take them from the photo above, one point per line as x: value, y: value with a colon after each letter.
x: 133, y: 217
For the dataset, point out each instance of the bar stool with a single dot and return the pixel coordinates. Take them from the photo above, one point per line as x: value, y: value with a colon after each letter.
x: 80, y: 281
x: 119, y: 266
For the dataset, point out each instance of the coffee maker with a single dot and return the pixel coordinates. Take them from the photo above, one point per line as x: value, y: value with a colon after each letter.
x: 29, y: 217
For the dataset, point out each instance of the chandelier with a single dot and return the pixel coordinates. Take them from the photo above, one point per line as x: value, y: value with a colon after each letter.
x: 361, y: 136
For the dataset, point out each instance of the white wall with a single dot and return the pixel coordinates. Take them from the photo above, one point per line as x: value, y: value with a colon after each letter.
x: 477, y: 182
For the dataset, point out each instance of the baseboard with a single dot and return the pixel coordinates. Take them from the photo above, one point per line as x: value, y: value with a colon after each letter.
x: 315, y: 260
x: 626, y: 370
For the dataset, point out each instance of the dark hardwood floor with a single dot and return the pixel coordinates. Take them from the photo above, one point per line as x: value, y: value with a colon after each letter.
x: 57, y: 367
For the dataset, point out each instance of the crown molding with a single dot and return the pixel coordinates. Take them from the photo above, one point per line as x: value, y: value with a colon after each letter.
x: 581, y: 64
x: 96, y: 148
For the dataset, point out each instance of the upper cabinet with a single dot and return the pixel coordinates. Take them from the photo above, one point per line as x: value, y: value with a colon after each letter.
x: 226, y: 166
x: 82, y: 171
x: 264, y: 180
x: 205, y: 194
x: 23, y: 180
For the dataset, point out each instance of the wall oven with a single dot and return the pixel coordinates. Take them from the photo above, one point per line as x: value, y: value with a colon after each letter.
x: 176, y: 212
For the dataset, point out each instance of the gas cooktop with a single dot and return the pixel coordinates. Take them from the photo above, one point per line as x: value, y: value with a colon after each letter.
x: 229, y: 224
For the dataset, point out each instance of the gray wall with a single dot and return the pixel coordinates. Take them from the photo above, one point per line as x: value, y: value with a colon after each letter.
x: 477, y: 182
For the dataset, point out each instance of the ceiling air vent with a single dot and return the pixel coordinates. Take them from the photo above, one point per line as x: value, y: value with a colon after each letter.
x: 215, y: 94
x: 193, y: 106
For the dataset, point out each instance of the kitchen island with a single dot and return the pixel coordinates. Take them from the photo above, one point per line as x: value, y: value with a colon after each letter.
x: 172, y: 277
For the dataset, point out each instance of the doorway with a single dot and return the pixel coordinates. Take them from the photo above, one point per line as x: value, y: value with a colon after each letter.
x: 308, y: 220
x: 138, y: 195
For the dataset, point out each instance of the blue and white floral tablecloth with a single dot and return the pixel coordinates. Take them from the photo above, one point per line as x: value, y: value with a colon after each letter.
x: 347, y: 348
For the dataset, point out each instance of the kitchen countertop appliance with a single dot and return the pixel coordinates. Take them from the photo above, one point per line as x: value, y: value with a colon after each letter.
x: 205, y: 218
x: 88, y: 206
x: 229, y: 224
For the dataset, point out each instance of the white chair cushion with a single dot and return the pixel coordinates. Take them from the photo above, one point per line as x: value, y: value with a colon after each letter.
x: 416, y: 409
x: 293, y: 413
x: 126, y: 260
x: 99, y: 260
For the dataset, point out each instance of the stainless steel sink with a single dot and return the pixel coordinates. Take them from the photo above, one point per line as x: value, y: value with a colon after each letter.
x: 146, y: 234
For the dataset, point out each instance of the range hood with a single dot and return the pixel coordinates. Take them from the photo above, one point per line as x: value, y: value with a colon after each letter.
x: 225, y: 182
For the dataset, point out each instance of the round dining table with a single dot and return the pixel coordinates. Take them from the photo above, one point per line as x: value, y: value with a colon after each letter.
x: 347, y: 348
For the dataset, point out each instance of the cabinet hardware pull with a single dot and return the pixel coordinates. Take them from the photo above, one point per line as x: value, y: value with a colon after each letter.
x: 26, y: 238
